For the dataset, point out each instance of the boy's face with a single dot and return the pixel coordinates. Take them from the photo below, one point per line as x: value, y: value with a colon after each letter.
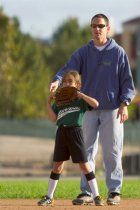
x: 69, y: 81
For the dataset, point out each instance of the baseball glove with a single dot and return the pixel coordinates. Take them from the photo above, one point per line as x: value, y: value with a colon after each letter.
x: 65, y: 95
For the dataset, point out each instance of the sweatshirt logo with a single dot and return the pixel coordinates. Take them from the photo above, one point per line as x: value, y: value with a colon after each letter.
x: 66, y: 111
x: 106, y: 63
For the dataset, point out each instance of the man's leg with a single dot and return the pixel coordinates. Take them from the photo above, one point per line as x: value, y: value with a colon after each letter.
x: 111, y: 137
x: 90, y: 132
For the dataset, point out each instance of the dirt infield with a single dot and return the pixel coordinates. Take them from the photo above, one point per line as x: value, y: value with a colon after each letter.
x: 27, y: 204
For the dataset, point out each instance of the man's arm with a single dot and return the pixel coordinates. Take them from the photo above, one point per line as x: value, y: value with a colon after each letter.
x: 73, y: 63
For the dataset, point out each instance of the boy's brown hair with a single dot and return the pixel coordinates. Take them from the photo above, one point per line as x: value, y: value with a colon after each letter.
x: 76, y: 76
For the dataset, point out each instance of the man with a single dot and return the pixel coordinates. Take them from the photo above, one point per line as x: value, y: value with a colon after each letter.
x: 106, y: 76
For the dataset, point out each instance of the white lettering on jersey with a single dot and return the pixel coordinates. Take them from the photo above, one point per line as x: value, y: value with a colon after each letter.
x: 66, y: 111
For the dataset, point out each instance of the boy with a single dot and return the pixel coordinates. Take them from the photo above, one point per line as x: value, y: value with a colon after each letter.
x: 69, y: 137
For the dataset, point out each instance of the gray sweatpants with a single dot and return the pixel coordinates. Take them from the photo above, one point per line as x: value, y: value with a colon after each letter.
x: 105, y: 125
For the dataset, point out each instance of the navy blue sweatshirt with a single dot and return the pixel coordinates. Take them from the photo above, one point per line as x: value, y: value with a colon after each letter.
x: 106, y: 74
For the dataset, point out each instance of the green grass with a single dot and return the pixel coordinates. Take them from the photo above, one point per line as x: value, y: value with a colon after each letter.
x: 66, y: 189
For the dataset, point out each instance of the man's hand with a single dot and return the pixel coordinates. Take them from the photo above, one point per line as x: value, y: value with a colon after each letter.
x: 53, y: 86
x: 122, y: 113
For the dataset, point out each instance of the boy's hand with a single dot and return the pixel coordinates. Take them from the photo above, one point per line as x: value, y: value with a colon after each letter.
x: 80, y: 94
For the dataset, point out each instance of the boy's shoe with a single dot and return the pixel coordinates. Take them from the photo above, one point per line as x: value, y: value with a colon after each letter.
x: 45, y: 201
x: 83, y: 199
x: 98, y: 201
x: 113, y: 198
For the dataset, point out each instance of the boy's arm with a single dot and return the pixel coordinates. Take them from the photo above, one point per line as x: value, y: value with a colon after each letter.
x: 91, y: 101
x: 51, y: 114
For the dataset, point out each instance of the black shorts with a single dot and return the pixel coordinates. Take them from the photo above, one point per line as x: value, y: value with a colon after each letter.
x: 69, y: 142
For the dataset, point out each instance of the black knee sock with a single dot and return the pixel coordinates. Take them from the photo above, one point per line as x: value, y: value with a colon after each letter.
x: 92, y: 183
x: 52, y: 184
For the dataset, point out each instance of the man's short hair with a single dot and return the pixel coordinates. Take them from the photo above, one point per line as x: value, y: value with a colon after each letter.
x: 100, y: 15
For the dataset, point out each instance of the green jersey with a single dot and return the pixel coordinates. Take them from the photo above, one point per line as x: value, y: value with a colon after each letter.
x: 72, y: 114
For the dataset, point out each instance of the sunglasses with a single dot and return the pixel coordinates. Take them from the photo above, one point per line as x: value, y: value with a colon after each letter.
x: 98, y: 25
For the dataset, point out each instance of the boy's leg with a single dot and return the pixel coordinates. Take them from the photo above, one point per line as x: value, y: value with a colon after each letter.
x: 48, y: 199
x: 90, y: 177
x: 92, y: 183
x: 54, y: 178
x: 52, y: 184
x: 94, y: 188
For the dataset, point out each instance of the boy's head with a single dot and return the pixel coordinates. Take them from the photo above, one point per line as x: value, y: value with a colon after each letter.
x: 72, y: 79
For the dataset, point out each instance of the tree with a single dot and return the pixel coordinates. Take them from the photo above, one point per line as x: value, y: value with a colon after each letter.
x: 67, y: 38
x: 24, y: 73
